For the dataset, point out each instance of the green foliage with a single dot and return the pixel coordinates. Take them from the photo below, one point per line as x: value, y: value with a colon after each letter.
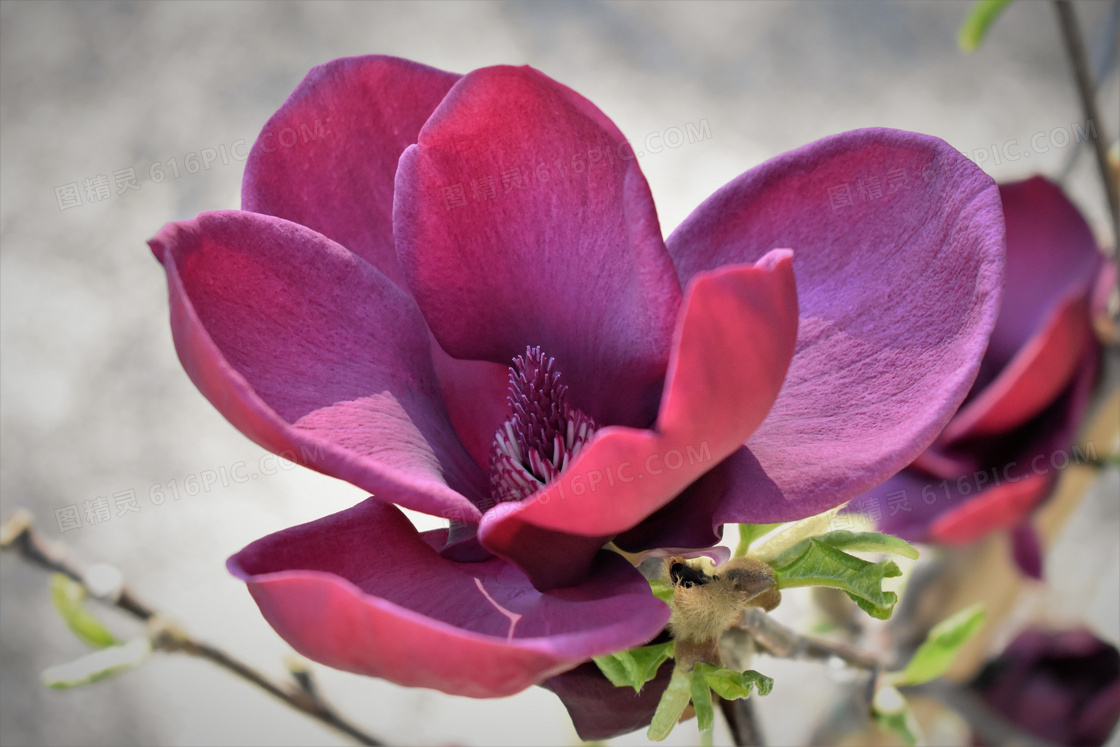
x: 731, y: 685
x: 934, y: 657
x: 98, y: 666
x: 672, y: 705
x: 697, y: 686
x: 702, y: 700
x: 855, y: 542
x: 893, y: 713
x: 791, y: 534
x: 748, y: 533
x: 821, y: 564
x: 635, y: 667
x: 69, y: 598
x: 980, y: 18
x: 662, y: 590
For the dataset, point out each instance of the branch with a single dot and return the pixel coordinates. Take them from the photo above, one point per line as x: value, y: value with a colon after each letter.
x: 19, y: 535
x: 1075, y: 49
x: 785, y: 643
x: 742, y: 722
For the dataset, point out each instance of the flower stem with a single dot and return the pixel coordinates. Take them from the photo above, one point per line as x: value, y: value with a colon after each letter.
x: 19, y: 535
x: 742, y: 721
x: 1075, y: 49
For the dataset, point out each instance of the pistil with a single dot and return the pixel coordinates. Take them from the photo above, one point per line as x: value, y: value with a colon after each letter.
x: 543, y: 435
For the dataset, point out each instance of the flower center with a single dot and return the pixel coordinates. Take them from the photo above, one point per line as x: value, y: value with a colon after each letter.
x: 543, y: 434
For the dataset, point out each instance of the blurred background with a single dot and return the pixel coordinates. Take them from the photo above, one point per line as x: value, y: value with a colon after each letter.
x: 93, y: 401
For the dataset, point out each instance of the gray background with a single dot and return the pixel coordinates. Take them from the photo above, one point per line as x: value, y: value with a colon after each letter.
x: 92, y: 397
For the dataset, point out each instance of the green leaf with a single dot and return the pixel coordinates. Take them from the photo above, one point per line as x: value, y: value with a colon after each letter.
x: 980, y: 18
x: 893, y: 713
x: 69, y: 599
x: 672, y: 704
x: 702, y: 700
x: 98, y: 666
x: 821, y: 564
x: 879, y: 612
x: 792, y: 534
x: 748, y: 533
x: 661, y: 590
x: 732, y: 685
x: 855, y: 542
x: 635, y: 667
x: 934, y: 657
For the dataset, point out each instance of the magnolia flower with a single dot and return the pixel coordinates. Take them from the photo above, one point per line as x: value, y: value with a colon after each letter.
x: 1062, y: 686
x: 1001, y: 455
x: 453, y: 292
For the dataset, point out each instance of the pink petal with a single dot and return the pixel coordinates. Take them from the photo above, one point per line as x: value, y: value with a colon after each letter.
x: 731, y: 348
x: 314, y: 355
x: 1002, y: 507
x: 695, y: 518
x: 1032, y: 379
x: 574, y: 264
x: 1051, y: 257
x: 1006, y: 477
x: 364, y: 592
x: 899, y: 291
x: 328, y: 157
x: 475, y: 393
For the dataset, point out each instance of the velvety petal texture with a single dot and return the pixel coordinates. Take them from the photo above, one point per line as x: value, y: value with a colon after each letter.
x: 732, y: 344
x: 363, y: 591
x: 327, y: 159
x: 519, y: 193
x: 407, y: 232
x: 1051, y: 256
x: 898, y: 244
x: 315, y: 355
x: 1000, y: 455
x: 599, y: 710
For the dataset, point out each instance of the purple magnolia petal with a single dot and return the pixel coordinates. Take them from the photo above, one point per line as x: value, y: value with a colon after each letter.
x: 1044, y: 328
x: 1032, y: 380
x: 731, y: 349
x: 695, y: 518
x: 1026, y: 548
x: 1051, y: 257
x: 522, y: 219
x: 315, y: 355
x: 1062, y: 686
x: 475, y: 393
x: 1008, y: 477
x: 363, y: 591
x: 598, y: 709
x: 899, y: 288
x: 328, y: 157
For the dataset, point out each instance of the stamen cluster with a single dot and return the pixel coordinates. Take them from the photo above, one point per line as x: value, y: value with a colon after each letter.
x: 543, y: 435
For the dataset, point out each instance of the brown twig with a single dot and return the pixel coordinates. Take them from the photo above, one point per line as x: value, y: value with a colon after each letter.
x: 782, y: 642
x: 19, y: 535
x: 1075, y: 48
x: 742, y: 722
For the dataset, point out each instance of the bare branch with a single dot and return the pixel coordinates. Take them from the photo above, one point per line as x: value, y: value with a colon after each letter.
x: 18, y: 534
x: 784, y: 643
x: 1075, y: 49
